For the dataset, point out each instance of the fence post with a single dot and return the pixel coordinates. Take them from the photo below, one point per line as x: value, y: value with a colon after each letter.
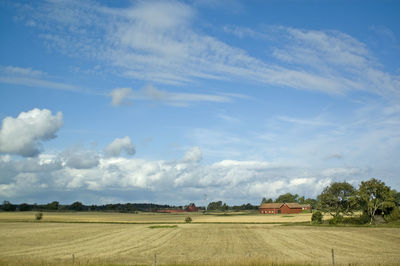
x: 333, y: 258
x: 155, y: 259
x: 73, y: 258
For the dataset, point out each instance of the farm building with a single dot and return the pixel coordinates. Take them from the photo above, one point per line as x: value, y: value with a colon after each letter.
x: 306, y: 207
x: 277, y: 208
x: 191, y: 208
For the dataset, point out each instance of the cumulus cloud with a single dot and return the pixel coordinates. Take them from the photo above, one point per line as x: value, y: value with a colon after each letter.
x: 120, y: 145
x: 120, y: 96
x: 23, y: 135
x: 193, y: 155
x: 174, y: 182
x: 80, y: 159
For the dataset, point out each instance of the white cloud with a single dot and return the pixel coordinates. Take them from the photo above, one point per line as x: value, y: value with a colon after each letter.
x: 119, y: 145
x: 22, y: 135
x: 12, y: 70
x: 37, y: 78
x: 193, y: 155
x: 151, y: 93
x: 158, y: 42
x: 80, y: 159
x: 174, y: 182
x: 120, y: 96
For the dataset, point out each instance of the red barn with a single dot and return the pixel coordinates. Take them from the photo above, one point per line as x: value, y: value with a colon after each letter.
x: 274, y: 208
x: 191, y: 208
x: 306, y: 207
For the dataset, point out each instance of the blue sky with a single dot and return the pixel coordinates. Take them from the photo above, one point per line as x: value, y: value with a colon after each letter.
x: 191, y: 101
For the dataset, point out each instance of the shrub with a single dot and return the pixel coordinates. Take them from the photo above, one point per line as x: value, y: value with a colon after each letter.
x: 338, y: 219
x: 394, y: 215
x: 188, y: 220
x: 316, y: 217
x: 39, y: 216
x: 361, y: 219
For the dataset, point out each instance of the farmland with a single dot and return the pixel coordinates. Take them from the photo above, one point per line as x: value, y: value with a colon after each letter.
x: 111, y: 238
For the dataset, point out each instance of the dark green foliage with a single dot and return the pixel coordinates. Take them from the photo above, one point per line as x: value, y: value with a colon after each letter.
x: 8, y: 207
x: 38, y: 216
x: 375, y: 198
x: 396, y: 196
x: 316, y: 217
x: 288, y: 197
x: 217, y: 206
x: 243, y: 207
x: 338, y: 199
x: 338, y: 219
x: 265, y: 200
x: 52, y: 206
x: 25, y: 207
x: 188, y: 220
x: 312, y: 202
x: 76, y: 206
x: 393, y: 215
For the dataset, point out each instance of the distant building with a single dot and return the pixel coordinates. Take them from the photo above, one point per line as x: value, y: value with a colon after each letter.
x: 306, y: 207
x: 191, y: 208
x: 278, y: 208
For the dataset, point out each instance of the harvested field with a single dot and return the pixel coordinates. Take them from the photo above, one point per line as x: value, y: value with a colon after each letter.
x: 207, y: 244
x: 103, y: 217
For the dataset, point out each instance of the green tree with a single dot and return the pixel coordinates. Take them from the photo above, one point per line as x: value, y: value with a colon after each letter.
x: 288, y: 197
x: 24, y: 207
x: 212, y: 206
x: 313, y: 202
x: 265, y: 200
x: 301, y: 200
x: 52, y: 206
x: 375, y: 196
x: 8, y: 206
x: 77, y: 206
x: 338, y: 199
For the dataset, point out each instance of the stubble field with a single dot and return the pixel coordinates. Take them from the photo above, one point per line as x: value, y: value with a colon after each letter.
x: 226, y: 243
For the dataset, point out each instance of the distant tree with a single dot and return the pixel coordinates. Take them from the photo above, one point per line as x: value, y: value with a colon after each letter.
x: 375, y: 196
x: 24, y: 207
x: 264, y: 200
x: 288, y: 197
x: 212, y: 206
x: 76, y: 206
x: 8, y: 207
x: 312, y: 202
x: 338, y: 199
x: 53, y: 206
x: 301, y: 200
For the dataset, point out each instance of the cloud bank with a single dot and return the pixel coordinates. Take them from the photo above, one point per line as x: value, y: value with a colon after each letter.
x: 134, y: 179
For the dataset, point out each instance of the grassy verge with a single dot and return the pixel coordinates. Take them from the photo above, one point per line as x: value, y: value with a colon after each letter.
x: 162, y: 226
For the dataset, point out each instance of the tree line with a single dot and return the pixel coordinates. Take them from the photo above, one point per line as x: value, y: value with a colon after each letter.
x: 78, y: 206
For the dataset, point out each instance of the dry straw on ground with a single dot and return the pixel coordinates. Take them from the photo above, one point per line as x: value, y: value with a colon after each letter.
x: 46, y: 243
